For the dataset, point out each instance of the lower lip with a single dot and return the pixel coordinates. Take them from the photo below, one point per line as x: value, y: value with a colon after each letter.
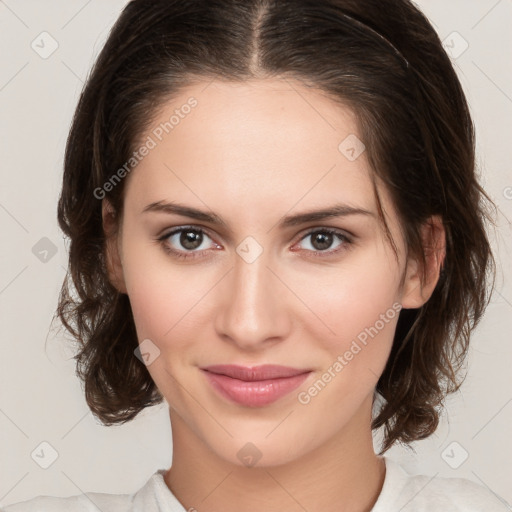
x: 256, y: 393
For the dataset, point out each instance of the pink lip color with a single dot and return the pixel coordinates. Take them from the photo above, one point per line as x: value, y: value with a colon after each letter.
x: 257, y: 386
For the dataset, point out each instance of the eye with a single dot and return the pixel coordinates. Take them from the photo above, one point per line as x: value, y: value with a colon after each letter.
x: 187, y: 239
x: 323, y: 238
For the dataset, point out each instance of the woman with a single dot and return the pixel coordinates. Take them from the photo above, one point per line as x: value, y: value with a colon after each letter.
x: 275, y: 226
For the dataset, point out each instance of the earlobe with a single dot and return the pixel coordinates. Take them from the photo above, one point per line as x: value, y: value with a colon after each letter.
x: 112, y: 251
x: 419, y: 283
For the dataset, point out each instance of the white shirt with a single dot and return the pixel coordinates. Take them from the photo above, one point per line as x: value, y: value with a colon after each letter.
x: 401, y: 492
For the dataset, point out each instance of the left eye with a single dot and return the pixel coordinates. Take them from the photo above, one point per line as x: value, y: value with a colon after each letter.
x: 322, y: 239
x: 192, y: 239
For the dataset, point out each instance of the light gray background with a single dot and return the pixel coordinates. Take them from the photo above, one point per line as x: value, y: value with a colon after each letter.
x: 40, y: 397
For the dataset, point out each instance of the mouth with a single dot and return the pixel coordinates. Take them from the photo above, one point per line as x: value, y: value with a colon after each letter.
x: 254, y: 386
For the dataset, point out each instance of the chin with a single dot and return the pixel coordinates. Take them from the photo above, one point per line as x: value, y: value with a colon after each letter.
x: 260, y: 452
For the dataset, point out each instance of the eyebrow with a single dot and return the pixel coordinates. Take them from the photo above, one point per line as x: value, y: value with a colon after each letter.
x: 337, y: 210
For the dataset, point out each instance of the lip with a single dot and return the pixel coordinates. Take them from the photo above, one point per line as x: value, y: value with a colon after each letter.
x: 254, y: 386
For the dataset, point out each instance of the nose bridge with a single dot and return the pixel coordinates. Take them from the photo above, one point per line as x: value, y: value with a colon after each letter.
x: 253, y: 308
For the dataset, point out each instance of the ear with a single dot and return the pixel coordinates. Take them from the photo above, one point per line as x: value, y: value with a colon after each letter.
x: 112, y: 246
x: 419, y: 282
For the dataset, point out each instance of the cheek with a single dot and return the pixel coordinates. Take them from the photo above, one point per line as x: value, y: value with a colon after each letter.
x: 172, y: 305
x: 162, y: 303
x: 355, y: 313
x: 159, y: 293
x: 359, y: 310
x: 353, y: 295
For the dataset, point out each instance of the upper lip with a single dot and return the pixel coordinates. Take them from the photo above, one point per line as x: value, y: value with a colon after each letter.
x: 255, y: 373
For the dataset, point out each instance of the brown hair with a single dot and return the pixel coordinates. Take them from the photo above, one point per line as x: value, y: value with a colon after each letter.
x: 381, y: 57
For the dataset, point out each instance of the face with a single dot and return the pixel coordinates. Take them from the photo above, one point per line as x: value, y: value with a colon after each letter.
x: 319, y: 295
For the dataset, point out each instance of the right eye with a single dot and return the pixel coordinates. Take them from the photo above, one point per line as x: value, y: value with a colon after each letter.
x: 190, y: 239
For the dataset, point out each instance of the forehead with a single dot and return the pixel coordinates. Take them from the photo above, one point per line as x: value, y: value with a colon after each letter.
x: 255, y: 143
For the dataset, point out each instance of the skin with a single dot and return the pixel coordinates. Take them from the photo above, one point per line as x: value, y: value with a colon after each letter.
x: 253, y: 153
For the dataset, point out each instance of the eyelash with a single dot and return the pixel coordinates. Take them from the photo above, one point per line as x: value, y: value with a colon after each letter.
x: 188, y: 255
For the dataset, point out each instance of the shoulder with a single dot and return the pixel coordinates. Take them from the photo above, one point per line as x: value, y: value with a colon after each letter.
x: 450, y: 494
x: 149, y: 498
x: 88, y: 502
x: 422, y: 493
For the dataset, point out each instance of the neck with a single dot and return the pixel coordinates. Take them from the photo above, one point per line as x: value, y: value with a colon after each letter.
x: 343, y: 475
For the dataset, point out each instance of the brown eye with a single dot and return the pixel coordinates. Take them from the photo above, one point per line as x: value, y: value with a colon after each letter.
x: 321, y: 241
x: 185, y: 242
x: 190, y: 239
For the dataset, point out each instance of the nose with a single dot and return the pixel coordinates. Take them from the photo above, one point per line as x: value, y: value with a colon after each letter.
x: 252, y: 305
